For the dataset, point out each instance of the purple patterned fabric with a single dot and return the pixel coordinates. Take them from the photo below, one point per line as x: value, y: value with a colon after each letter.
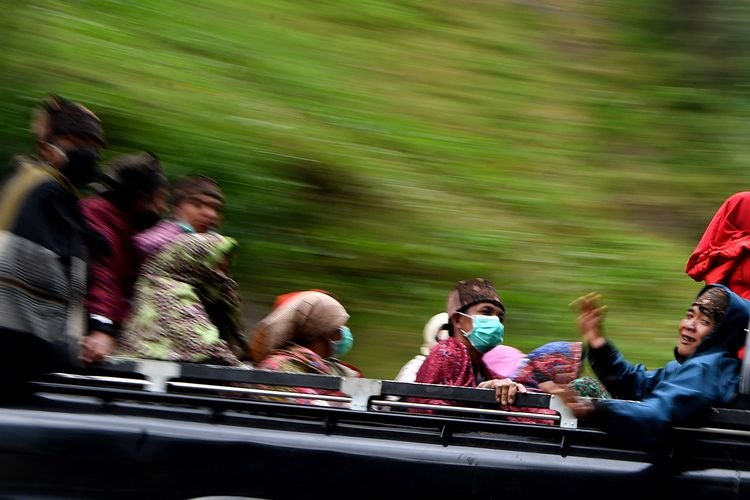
x: 559, y: 362
x: 149, y: 242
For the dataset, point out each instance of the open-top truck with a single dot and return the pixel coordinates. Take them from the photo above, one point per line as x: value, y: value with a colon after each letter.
x: 151, y: 429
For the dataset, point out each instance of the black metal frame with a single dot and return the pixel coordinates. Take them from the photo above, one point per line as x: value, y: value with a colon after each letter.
x: 129, y: 423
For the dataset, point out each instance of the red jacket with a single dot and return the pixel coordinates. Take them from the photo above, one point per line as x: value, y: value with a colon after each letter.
x: 113, y: 268
x: 721, y: 255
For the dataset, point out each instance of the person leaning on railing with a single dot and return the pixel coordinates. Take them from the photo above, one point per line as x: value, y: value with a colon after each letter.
x: 130, y: 198
x: 475, y: 319
x: 705, y: 373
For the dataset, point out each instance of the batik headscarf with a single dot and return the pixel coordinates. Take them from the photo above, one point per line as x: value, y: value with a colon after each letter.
x: 559, y: 362
x: 469, y: 292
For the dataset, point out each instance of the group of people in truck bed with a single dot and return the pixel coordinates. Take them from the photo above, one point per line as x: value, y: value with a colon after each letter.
x: 83, y: 279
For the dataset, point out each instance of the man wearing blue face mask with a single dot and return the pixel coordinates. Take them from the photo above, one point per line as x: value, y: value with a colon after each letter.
x: 475, y: 315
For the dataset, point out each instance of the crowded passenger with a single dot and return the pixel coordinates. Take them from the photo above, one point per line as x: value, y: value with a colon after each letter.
x: 186, y: 306
x: 307, y: 333
x: 475, y: 314
x: 435, y: 330
x: 558, y: 362
x: 704, y: 374
x: 42, y: 309
x: 196, y: 203
x: 130, y: 198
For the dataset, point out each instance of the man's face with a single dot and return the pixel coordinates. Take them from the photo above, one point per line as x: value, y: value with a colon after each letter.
x: 66, y: 143
x: 201, y: 211
x: 694, y: 327
x: 465, y: 323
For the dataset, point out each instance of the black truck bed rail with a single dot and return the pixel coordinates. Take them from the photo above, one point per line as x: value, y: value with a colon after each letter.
x: 137, y: 428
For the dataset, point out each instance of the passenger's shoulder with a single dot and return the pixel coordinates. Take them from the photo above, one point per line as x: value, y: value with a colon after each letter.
x: 442, y: 348
x: 709, y: 366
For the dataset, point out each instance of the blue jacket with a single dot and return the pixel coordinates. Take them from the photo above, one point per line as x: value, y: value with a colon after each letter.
x: 678, y: 394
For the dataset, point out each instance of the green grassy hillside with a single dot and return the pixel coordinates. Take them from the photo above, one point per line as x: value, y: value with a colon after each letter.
x: 383, y: 150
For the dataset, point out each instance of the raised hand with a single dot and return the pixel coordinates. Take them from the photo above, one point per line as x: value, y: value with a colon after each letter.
x: 590, y: 318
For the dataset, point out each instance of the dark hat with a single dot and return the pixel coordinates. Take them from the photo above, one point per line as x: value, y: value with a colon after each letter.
x: 63, y: 117
x: 193, y: 185
x: 713, y: 303
x: 469, y: 292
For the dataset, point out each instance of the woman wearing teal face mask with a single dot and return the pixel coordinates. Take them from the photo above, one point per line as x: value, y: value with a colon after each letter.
x: 307, y: 333
x: 475, y: 314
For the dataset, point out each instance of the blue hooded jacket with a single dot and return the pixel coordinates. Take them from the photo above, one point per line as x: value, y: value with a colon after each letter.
x: 678, y: 394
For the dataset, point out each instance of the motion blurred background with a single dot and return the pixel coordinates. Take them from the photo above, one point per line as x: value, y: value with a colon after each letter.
x: 384, y: 150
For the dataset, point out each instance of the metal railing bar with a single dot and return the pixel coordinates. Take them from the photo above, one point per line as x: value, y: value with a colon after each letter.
x: 463, y: 409
x: 101, y: 378
x: 229, y: 374
x: 260, y: 392
x: 715, y: 430
x: 465, y: 394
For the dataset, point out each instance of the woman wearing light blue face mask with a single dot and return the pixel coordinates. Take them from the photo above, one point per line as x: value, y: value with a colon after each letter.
x: 306, y: 334
x: 476, y: 316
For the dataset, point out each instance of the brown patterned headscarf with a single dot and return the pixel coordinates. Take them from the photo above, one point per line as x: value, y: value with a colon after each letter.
x: 713, y: 303
x: 469, y: 292
x: 304, y: 317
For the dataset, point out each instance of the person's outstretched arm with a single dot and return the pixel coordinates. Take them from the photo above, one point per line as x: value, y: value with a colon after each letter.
x: 622, y: 379
x: 692, y: 390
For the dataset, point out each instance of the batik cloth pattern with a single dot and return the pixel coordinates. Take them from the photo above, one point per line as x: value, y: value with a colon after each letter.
x: 298, y: 359
x: 559, y: 362
x: 150, y: 242
x: 171, y: 320
x: 114, y: 264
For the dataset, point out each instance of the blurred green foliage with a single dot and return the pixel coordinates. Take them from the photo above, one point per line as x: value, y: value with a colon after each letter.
x: 383, y: 150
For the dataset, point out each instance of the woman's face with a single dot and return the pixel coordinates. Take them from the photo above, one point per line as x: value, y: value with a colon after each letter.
x: 332, y: 336
x: 335, y: 335
x: 694, y: 327
x: 201, y: 211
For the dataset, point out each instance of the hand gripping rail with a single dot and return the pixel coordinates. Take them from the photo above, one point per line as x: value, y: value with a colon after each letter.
x: 359, y: 394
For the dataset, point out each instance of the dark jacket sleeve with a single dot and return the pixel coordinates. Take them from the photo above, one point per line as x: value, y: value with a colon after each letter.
x: 622, y: 379
x: 105, y: 299
x: 50, y: 217
x: 679, y: 399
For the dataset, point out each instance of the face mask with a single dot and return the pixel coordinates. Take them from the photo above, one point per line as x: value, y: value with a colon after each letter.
x: 487, y: 332
x: 80, y: 164
x: 342, y: 346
